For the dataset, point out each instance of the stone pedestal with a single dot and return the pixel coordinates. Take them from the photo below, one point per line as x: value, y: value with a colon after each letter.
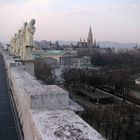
x: 17, y: 58
x: 27, y: 53
x: 29, y: 66
x: 49, y: 97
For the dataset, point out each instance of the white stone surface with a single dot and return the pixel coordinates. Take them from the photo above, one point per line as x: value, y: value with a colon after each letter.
x: 44, y: 111
x: 75, y: 107
x: 66, y: 126
x: 52, y: 97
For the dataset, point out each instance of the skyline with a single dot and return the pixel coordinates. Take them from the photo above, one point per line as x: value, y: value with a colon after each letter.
x: 110, y: 20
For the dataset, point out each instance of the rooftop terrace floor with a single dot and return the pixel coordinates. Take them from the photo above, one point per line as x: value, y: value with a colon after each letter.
x: 7, y: 124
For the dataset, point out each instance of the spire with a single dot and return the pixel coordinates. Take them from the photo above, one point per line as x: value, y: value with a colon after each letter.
x: 90, y: 38
x: 80, y: 39
x: 90, y: 31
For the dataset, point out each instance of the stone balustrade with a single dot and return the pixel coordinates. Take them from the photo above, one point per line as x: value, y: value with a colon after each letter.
x: 44, y: 111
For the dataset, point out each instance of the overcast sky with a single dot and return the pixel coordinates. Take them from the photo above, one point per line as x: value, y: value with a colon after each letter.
x: 111, y: 20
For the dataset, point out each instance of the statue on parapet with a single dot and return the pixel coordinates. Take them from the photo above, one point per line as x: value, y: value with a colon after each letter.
x: 12, y: 46
x: 18, y: 43
x: 23, y: 42
x: 23, y: 38
x: 29, y: 40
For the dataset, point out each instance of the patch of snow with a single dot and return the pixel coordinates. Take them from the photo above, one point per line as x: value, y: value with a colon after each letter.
x: 63, y: 125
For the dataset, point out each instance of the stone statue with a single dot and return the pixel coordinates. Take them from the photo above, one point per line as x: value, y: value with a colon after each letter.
x: 14, y: 44
x: 29, y: 33
x: 18, y: 43
x: 22, y: 43
x: 23, y: 37
x: 11, y: 45
x: 29, y: 41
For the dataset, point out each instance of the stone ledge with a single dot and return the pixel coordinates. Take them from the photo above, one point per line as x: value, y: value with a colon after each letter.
x: 53, y: 98
x: 40, y: 96
x: 49, y: 97
x: 66, y: 126
x: 39, y: 123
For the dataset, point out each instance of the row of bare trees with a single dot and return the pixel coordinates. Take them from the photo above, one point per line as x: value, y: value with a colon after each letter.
x: 122, y: 60
x: 116, y: 122
x: 115, y: 80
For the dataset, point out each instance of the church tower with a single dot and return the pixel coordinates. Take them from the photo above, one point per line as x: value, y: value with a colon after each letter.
x: 90, y: 38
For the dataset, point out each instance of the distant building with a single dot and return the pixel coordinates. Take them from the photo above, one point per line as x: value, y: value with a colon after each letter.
x: 90, y: 47
x: 70, y: 58
x: 75, y: 62
x: 54, y: 46
x: 89, y: 43
x: 67, y: 57
x: 47, y: 45
x: 86, y: 47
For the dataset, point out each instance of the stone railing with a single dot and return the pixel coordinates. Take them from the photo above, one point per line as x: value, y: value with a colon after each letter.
x: 44, y: 111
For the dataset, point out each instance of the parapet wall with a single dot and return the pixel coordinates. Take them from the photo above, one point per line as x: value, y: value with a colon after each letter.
x: 44, y: 111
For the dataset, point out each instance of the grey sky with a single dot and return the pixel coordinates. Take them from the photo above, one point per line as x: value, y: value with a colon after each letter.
x: 70, y: 19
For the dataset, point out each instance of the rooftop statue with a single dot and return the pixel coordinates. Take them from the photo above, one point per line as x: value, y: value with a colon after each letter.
x: 29, y: 41
x: 23, y: 37
x: 12, y: 45
x: 18, y: 43
x: 30, y: 30
x: 22, y: 43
